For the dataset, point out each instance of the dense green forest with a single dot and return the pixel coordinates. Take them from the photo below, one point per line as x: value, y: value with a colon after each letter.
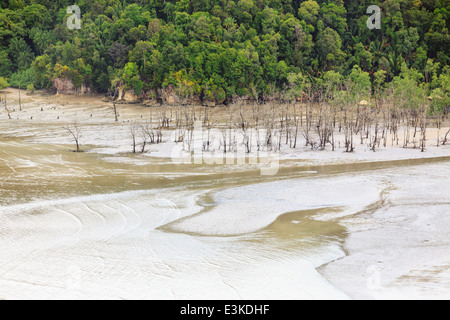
x: 218, y: 49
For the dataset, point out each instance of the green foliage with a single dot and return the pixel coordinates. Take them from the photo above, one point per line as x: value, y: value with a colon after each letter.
x: 298, y: 85
x: 22, y: 78
x: 131, y: 77
x: 30, y: 88
x: 330, y: 49
x: 379, y: 79
x: 81, y: 72
x: 441, y: 94
x: 3, y: 83
x: 20, y: 53
x: 42, y: 72
x: 408, y: 93
x: 5, y: 64
x: 331, y: 80
x: 360, y: 82
x: 309, y: 11
x: 227, y: 48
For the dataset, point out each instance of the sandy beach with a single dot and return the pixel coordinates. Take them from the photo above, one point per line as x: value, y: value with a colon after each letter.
x: 106, y: 223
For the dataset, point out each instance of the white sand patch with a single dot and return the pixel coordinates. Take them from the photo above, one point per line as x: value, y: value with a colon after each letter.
x: 401, y: 249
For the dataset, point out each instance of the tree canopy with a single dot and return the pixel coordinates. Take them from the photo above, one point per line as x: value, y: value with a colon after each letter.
x: 218, y: 48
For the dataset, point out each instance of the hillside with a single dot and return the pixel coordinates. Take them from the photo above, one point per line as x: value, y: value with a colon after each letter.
x: 219, y: 50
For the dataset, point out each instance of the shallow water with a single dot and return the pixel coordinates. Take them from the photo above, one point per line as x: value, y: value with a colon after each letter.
x: 95, y: 225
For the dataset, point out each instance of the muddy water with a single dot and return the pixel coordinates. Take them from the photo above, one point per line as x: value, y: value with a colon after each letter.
x: 82, y: 225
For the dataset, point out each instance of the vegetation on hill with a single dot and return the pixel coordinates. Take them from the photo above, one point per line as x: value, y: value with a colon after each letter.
x: 218, y: 49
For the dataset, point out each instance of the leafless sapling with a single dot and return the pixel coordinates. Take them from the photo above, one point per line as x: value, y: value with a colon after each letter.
x: 75, y: 132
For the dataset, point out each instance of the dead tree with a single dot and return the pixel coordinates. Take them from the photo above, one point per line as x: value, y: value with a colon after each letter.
x: 375, y: 142
x: 406, y: 135
x: 9, y: 113
x: 143, y: 132
x: 20, y: 100
x: 444, y: 142
x: 133, y: 136
x: 256, y: 109
x: 439, y: 120
x: 164, y: 119
x: 423, y: 127
x: 324, y: 125
x: 308, y: 120
x: 150, y: 132
x: 75, y: 132
x: 179, y: 132
x: 115, y: 112
x: 228, y: 133
x: 7, y: 110
x: 243, y: 124
x: 296, y: 123
x: 185, y: 126
x: 349, y: 125
x: 209, y: 123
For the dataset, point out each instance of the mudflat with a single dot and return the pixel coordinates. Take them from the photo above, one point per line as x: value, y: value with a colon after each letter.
x: 110, y: 223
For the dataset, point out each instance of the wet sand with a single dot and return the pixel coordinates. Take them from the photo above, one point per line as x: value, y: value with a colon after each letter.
x: 108, y: 224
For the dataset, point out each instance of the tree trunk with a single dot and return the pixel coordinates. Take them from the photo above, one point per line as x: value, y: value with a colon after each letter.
x: 20, y: 100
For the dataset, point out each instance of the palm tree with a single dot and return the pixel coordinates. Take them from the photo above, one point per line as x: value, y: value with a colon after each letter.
x: 229, y: 23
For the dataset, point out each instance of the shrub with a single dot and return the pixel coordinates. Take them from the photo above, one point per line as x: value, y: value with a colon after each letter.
x: 3, y: 83
x: 30, y: 88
